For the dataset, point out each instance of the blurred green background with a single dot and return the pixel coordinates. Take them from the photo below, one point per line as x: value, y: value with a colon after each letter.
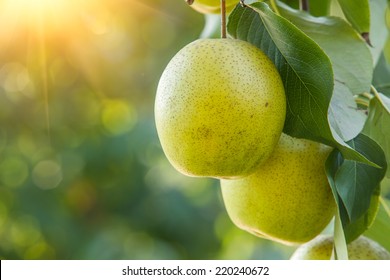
x: 82, y: 173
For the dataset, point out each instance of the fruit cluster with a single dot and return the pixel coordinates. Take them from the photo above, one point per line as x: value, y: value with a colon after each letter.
x: 220, y: 110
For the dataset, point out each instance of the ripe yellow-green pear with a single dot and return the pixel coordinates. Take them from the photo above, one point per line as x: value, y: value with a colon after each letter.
x: 321, y: 247
x: 220, y: 108
x: 288, y: 199
x: 213, y: 6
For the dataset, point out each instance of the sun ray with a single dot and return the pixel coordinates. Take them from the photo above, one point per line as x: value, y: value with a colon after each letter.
x: 44, y: 73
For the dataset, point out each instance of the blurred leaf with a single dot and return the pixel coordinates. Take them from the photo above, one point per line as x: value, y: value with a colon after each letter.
x: 386, y: 50
x: 388, y: 15
x: 380, y: 229
x: 212, y: 26
x: 305, y: 69
x: 292, y: 3
x: 381, y: 79
x: 320, y: 8
x: 357, y: 13
x: 378, y: 32
x: 378, y: 124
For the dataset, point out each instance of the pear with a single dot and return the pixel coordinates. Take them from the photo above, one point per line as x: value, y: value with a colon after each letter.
x: 213, y: 6
x: 288, y: 199
x: 220, y: 108
x: 320, y: 248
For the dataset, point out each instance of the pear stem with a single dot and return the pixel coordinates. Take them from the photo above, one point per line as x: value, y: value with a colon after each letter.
x: 223, y: 19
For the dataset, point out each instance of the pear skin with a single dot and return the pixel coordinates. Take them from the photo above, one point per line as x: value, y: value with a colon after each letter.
x: 320, y: 248
x: 288, y: 199
x: 220, y: 108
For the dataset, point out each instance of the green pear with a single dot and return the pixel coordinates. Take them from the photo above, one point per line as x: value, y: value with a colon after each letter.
x: 220, y: 108
x: 288, y: 199
x: 321, y: 247
x: 213, y: 6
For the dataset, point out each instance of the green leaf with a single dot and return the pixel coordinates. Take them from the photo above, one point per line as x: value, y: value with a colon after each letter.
x: 342, y: 45
x: 356, y: 182
x: 350, y: 184
x: 354, y: 230
x: 357, y: 13
x: 292, y: 3
x: 316, y: 8
x: 344, y: 116
x: 320, y: 8
x: 305, y: 69
x: 381, y: 80
x: 340, y: 244
x: 332, y: 164
x: 386, y: 50
x: 378, y: 32
x: 378, y: 124
x: 387, y: 15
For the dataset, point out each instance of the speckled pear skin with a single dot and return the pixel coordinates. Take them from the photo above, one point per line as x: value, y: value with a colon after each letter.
x: 213, y: 6
x: 288, y: 199
x: 220, y: 108
x: 320, y: 248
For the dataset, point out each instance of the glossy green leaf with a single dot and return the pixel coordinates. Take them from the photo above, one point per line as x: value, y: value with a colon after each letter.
x: 355, y: 188
x: 378, y: 124
x: 355, y: 73
x: 354, y: 230
x: 305, y: 69
x: 356, y: 182
x: 357, y: 13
